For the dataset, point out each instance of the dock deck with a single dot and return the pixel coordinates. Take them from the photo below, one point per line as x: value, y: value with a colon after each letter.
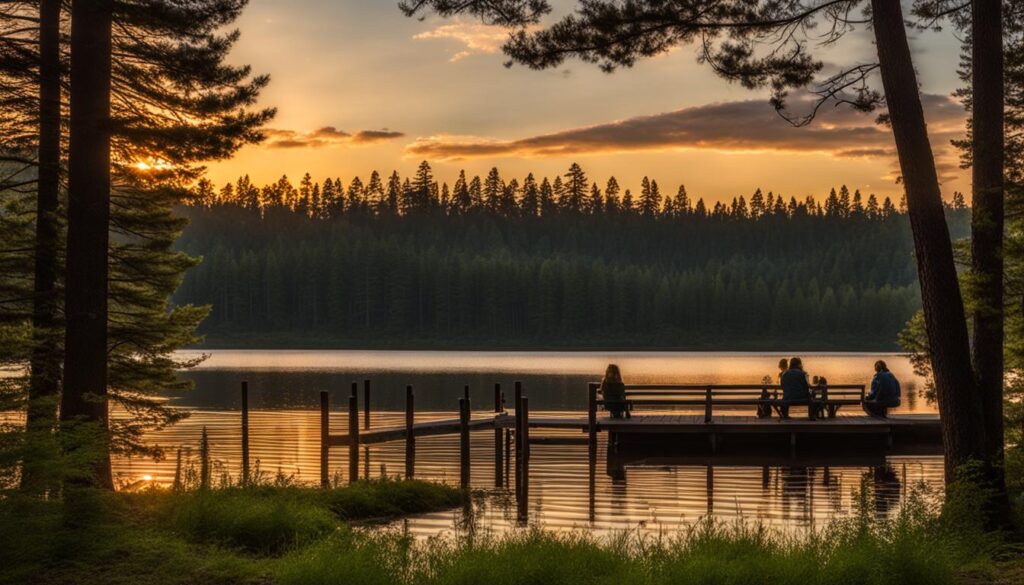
x: 669, y: 424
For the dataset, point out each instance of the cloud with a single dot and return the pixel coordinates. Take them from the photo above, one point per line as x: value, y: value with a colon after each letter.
x: 327, y: 136
x: 739, y: 126
x: 475, y: 38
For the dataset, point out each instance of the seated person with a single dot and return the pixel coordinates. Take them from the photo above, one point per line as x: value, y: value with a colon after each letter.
x: 795, y: 389
x: 885, y: 392
x: 613, y: 392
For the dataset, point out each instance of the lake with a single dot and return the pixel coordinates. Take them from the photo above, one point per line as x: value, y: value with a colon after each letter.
x: 284, y: 387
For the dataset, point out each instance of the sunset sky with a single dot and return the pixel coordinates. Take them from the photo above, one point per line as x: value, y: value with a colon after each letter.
x: 360, y: 87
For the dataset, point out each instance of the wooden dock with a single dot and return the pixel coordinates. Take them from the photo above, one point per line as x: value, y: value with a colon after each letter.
x: 668, y: 429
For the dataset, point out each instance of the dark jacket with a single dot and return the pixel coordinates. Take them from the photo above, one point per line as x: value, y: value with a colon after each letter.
x: 614, y: 392
x: 885, y: 389
x: 794, y: 385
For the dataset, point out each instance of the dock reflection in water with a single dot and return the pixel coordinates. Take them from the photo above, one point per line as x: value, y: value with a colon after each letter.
x: 285, y: 435
x: 563, y: 494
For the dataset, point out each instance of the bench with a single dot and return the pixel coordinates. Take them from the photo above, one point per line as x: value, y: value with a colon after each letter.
x: 826, y: 400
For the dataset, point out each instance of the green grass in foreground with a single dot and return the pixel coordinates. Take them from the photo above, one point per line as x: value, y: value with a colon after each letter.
x: 300, y: 536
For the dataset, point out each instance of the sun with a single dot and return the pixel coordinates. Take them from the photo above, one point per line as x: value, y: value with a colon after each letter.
x: 152, y: 164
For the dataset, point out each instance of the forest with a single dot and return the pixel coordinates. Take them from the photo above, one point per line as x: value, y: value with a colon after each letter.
x: 562, y: 263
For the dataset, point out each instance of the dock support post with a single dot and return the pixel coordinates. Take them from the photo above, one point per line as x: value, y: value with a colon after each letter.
x: 792, y: 445
x: 710, y: 488
x: 508, y: 456
x: 353, y: 434
x: 592, y: 418
x: 517, y: 432
x: 325, y: 430
x: 366, y: 404
x: 499, y: 466
x: 524, y: 480
x: 707, y: 405
x: 410, y: 437
x: 245, y: 433
x: 464, y: 442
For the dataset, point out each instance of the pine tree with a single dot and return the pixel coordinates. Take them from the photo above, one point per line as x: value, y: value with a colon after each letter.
x: 595, y: 203
x: 530, y: 203
x: 611, y: 196
x: 375, y: 198
x: 493, y: 188
x: 628, y: 205
x: 548, y: 203
x: 394, y: 194
x: 575, y: 189
x: 461, y: 201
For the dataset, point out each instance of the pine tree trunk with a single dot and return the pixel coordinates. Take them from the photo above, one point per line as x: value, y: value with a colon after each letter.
x: 987, y: 218
x: 44, y: 366
x: 84, y: 397
x: 963, y: 427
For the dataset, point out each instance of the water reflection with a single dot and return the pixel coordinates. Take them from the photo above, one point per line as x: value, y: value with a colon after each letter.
x: 569, y: 486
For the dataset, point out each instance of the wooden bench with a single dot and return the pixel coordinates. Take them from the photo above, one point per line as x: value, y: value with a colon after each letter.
x: 824, y: 399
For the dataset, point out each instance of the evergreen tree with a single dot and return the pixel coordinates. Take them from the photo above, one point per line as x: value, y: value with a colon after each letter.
x: 575, y: 189
x: 530, y: 203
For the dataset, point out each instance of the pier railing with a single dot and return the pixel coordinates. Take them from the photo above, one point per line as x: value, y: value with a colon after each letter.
x: 829, y: 397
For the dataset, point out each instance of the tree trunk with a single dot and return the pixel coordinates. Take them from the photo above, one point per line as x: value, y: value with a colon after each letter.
x: 987, y: 218
x: 84, y: 397
x: 963, y: 429
x: 44, y: 365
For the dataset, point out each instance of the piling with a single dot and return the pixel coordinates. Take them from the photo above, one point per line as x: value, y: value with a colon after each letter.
x: 499, y: 404
x: 353, y: 434
x: 325, y: 430
x: 410, y: 438
x: 245, y: 433
x: 523, y: 503
x: 464, y: 442
x: 366, y: 404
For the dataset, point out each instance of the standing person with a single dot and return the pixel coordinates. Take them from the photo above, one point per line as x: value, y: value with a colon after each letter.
x: 795, y: 389
x: 613, y: 392
x: 885, y: 392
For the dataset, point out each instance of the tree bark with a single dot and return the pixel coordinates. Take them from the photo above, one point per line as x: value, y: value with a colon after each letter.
x: 963, y: 428
x: 987, y: 217
x: 45, y: 361
x: 84, y: 397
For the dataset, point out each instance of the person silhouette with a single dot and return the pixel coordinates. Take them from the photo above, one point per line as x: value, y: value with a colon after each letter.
x: 795, y: 389
x: 885, y: 392
x: 613, y: 392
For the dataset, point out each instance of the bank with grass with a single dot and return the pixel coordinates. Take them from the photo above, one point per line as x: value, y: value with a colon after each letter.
x: 298, y: 536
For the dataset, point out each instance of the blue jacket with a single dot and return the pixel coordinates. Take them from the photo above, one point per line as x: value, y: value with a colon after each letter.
x: 885, y: 389
x: 794, y: 385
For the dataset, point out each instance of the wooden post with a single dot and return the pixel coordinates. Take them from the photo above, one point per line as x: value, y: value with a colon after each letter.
x: 592, y: 418
x: 707, y: 405
x: 518, y: 432
x: 245, y: 433
x: 710, y: 488
x: 353, y: 435
x: 410, y: 437
x: 524, y: 480
x: 325, y: 431
x: 499, y: 405
x: 464, y: 442
x: 366, y: 404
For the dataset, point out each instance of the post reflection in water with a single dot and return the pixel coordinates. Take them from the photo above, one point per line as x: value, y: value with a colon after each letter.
x: 568, y: 483
x: 567, y: 487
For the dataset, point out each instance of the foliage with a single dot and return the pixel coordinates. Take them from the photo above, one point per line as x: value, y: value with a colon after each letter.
x: 770, y: 271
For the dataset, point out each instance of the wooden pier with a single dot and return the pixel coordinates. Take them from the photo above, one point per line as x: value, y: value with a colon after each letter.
x: 741, y: 429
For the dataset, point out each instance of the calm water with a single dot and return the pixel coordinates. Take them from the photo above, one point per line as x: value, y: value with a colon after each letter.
x: 284, y: 391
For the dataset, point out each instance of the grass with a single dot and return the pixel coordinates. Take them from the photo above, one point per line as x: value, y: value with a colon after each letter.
x: 301, y: 536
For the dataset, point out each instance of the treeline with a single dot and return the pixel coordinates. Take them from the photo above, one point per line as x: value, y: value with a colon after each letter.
x: 756, y: 273
x: 569, y: 193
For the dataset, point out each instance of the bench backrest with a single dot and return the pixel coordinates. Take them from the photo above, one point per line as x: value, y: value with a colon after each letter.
x: 708, y: 395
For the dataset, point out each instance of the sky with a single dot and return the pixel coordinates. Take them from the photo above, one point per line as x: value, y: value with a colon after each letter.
x: 360, y: 87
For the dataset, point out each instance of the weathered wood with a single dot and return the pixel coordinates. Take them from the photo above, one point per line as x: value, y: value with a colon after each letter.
x: 353, y: 433
x: 499, y: 406
x: 410, y: 436
x: 592, y: 415
x: 708, y: 405
x: 464, y: 455
x: 325, y: 436
x: 523, y: 503
x: 245, y: 433
x: 366, y: 404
